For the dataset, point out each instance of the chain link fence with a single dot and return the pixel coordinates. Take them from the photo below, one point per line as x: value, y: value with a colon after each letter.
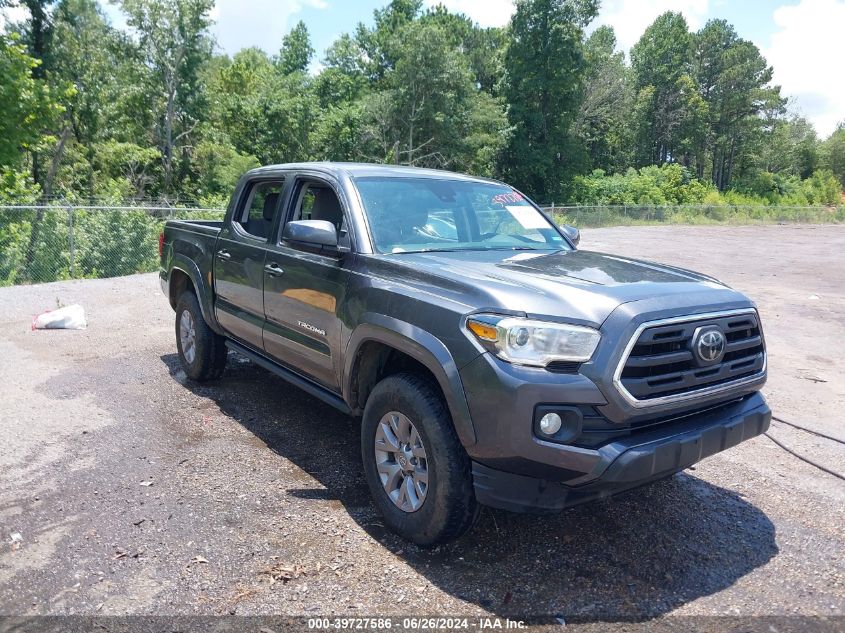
x: 58, y: 242
x: 62, y: 241
x: 625, y: 215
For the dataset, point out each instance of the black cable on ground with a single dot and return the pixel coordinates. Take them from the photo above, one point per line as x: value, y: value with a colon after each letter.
x: 804, y: 428
x: 805, y: 459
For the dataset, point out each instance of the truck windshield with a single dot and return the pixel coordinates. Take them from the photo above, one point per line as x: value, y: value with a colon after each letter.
x: 412, y: 215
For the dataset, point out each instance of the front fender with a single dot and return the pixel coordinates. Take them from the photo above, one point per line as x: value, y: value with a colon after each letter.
x: 423, y: 347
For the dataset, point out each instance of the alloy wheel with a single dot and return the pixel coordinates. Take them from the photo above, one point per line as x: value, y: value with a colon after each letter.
x: 401, y: 461
x: 188, y: 336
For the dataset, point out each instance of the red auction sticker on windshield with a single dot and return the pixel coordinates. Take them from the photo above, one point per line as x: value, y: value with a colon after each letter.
x: 505, y: 198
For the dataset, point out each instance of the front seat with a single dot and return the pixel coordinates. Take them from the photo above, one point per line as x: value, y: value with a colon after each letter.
x: 268, y: 212
x: 327, y: 207
x: 396, y: 225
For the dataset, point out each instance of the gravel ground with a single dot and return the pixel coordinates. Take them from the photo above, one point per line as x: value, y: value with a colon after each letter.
x: 133, y: 491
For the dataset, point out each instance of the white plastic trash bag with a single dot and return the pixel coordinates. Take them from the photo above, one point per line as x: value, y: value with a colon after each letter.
x: 66, y: 318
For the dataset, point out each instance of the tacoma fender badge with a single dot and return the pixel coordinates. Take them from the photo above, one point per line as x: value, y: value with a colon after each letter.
x: 311, y: 328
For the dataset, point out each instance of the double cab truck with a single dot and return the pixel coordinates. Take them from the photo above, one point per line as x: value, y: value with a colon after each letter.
x: 487, y: 358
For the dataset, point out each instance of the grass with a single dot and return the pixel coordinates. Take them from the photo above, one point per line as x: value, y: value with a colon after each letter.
x: 598, y: 216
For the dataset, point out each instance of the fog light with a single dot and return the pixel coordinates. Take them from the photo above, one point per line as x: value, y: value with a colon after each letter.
x: 550, y: 423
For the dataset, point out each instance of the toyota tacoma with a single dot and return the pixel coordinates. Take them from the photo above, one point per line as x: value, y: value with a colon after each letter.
x: 488, y: 359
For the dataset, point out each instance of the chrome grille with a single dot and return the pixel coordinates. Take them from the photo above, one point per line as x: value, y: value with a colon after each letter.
x: 660, y: 363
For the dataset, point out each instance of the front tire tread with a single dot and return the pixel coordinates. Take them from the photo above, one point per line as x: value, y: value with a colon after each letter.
x: 450, y: 507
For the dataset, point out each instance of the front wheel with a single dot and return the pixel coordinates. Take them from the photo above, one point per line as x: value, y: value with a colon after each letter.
x: 202, y: 352
x: 417, y: 470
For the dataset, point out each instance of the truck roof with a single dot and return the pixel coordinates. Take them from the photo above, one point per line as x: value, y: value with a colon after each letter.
x: 359, y: 170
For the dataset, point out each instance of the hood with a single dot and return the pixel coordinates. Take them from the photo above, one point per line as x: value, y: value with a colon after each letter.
x: 581, y: 285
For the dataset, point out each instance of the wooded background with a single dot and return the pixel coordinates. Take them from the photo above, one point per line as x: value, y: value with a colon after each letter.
x: 91, y: 112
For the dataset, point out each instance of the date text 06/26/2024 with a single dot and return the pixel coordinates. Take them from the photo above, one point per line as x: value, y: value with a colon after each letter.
x: 416, y: 623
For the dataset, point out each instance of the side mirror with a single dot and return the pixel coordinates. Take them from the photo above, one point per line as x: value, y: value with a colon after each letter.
x: 311, y: 232
x: 572, y: 233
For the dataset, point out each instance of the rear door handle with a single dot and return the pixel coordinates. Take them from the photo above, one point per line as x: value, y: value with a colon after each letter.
x: 273, y: 270
x: 224, y: 254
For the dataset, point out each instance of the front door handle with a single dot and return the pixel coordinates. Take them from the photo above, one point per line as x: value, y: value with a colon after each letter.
x: 273, y: 270
x: 224, y: 254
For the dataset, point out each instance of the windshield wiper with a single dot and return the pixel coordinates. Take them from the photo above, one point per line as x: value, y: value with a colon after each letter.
x: 477, y: 248
x: 429, y: 250
x: 518, y: 248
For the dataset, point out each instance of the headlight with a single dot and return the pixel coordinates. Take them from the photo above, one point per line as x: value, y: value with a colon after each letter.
x: 537, y: 343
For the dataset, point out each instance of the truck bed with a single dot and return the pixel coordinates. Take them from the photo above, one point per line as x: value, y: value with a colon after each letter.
x: 204, y: 227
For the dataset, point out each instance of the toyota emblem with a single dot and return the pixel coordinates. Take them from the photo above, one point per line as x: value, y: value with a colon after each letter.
x: 709, y: 345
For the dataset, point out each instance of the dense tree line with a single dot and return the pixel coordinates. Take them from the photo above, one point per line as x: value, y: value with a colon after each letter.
x: 88, y: 111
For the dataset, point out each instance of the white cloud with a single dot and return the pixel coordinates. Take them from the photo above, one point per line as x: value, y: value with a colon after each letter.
x: 263, y: 23
x: 485, y: 12
x: 806, y: 53
x: 630, y: 18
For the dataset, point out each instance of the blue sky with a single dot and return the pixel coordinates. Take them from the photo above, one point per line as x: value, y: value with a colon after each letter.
x: 801, y: 39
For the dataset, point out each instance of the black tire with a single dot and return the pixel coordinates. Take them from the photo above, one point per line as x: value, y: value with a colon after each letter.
x: 449, y: 506
x: 209, y: 357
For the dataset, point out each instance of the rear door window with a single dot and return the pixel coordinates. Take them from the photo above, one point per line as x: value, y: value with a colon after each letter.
x: 260, y: 209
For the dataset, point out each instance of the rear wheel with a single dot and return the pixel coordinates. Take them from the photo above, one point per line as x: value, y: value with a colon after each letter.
x: 415, y: 466
x: 202, y: 352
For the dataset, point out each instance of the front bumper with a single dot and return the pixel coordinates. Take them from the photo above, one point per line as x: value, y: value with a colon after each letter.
x: 630, y: 462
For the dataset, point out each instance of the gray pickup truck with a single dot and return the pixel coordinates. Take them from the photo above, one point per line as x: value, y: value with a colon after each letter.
x: 488, y: 360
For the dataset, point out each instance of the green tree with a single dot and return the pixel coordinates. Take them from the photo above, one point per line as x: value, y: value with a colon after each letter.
x: 427, y: 98
x: 483, y: 47
x: 90, y: 110
x: 136, y: 167
x: 84, y: 56
x: 805, y: 142
x: 605, y: 105
x: 175, y: 44
x: 219, y: 167
x: 343, y: 77
x: 823, y: 187
x: 338, y: 132
x: 545, y: 67
x: 671, y: 123
x: 340, y: 89
x: 432, y: 113
x: 263, y: 111
x: 236, y: 91
x: 432, y: 87
x: 346, y: 55
x: 833, y: 153
x: 289, y: 113
x: 297, y: 51
x: 486, y: 137
x: 662, y: 54
x: 27, y: 105
x: 381, y: 43
x: 651, y: 185
x: 38, y: 36
x: 733, y: 80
